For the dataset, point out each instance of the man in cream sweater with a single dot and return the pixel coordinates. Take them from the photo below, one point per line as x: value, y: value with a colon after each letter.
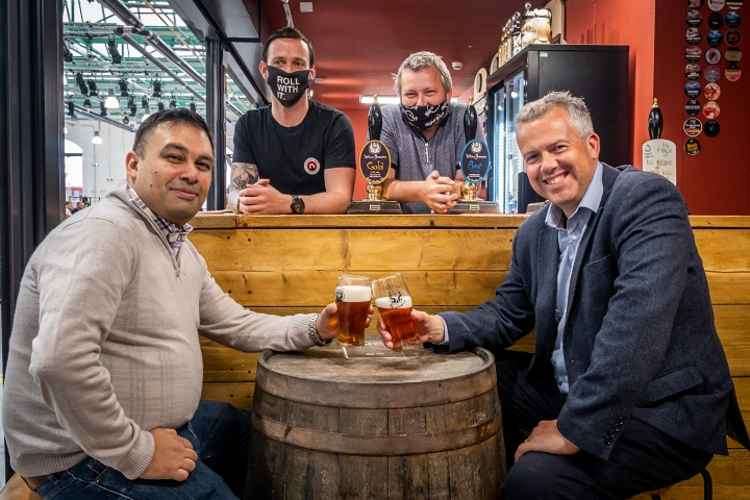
x: 104, y: 377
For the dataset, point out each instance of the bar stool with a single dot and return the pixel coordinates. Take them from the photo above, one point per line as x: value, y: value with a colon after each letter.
x: 708, y: 491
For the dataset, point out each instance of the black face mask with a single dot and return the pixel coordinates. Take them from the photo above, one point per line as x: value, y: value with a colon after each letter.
x: 288, y: 88
x: 421, y: 118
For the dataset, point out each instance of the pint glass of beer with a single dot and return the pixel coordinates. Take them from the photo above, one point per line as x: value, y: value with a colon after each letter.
x: 393, y: 300
x: 353, y: 296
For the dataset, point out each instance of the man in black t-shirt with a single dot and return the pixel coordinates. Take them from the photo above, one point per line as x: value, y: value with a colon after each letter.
x: 297, y: 155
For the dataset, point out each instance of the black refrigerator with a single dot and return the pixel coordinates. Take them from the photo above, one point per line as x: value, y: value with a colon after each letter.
x: 598, y: 73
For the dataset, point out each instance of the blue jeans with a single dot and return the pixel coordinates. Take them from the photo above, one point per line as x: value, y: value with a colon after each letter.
x: 220, y: 435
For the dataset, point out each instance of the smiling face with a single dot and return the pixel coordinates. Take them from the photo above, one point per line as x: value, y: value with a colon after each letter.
x: 559, y: 162
x: 172, y: 173
x: 422, y: 87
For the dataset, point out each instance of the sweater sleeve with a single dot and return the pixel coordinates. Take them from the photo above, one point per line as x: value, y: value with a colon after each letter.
x: 81, y: 285
x: 225, y: 321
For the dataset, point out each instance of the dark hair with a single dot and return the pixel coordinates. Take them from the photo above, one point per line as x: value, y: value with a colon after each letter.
x: 287, y: 32
x: 170, y: 115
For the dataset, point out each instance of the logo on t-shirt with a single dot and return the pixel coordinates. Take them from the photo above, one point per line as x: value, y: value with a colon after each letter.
x: 312, y: 166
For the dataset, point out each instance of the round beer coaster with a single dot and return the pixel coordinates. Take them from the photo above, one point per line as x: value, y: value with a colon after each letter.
x: 716, y: 5
x: 734, y: 4
x: 712, y: 73
x: 732, y: 19
x: 712, y: 91
x: 692, y: 127
x: 693, y: 54
x: 711, y: 111
x: 711, y: 128
x: 733, y: 55
x: 692, y: 107
x: 694, y: 4
x: 692, y: 88
x: 692, y: 68
x: 714, y: 38
x: 693, y: 36
x: 734, y: 37
x: 713, y: 56
x: 692, y: 147
x: 715, y: 20
x: 733, y: 72
x: 693, y: 17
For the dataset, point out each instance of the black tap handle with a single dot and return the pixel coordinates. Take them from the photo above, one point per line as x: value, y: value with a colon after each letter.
x: 375, y: 122
x: 470, y: 123
x: 655, y: 121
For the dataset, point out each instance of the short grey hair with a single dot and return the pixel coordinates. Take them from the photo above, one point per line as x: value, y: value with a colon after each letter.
x: 580, y: 117
x: 422, y: 60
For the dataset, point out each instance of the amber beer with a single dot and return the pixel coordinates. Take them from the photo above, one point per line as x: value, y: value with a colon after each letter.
x: 396, y: 314
x: 353, y: 303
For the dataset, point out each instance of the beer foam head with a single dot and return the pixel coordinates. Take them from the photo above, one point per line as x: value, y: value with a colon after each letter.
x: 393, y: 302
x: 353, y: 293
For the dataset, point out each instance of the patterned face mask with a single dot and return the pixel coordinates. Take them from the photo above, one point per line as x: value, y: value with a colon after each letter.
x: 288, y: 88
x: 421, y: 118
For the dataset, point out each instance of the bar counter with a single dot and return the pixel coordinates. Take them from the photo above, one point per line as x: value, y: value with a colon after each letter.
x: 288, y: 264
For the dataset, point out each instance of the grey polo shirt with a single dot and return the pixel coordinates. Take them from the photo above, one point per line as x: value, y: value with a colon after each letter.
x: 415, y: 157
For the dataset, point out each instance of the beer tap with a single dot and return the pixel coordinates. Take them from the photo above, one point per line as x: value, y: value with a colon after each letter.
x: 655, y: 121
x: 470, y: 123
x: 375, y: 122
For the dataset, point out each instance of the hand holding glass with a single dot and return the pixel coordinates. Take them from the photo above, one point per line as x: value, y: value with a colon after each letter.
x: 394, y: 303
x: 353, y: 296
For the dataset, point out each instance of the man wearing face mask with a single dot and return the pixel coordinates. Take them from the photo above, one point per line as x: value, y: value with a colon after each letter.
x: 297, y: 155
x: 425, y: 135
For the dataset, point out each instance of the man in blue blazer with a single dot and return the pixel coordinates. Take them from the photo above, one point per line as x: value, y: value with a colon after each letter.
x: 629, y: 388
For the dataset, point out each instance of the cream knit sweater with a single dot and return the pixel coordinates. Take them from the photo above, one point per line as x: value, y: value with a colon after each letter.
x: 105, y: 341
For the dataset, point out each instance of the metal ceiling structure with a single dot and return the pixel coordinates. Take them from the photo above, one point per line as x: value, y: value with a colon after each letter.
x: 142, y: 53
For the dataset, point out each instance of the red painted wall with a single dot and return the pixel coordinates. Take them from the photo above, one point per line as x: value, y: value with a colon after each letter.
x: 718, y: 180
x: 621, y: 22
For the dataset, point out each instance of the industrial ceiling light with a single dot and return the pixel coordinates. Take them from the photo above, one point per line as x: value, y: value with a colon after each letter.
x: 113, y: 52
x: 160, y: 106
x: 111, y: 101
x: 71, y: 109
x: 193, y: 107
x: 123, y: 83
x: 87, y: 103
x: 102, y: 108
x: 126, y: 120
x: 82, y: 84
x: 97, y: 139
x: 172, y: 103
x: 157, y: 89
x: 93, y: 91
x: 144, y: 104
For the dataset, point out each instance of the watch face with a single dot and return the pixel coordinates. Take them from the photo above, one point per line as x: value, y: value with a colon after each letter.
x: 298, y: 206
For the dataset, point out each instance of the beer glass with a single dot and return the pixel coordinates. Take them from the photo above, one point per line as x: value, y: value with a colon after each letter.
x: 394, y: 303
x: 353, y: 296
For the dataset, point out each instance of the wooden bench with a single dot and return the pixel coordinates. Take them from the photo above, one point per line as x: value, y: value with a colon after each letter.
x: 289, y: 264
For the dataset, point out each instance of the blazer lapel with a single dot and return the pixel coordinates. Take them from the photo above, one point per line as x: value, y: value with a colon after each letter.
x: 609, y: 175
x: 546, y: 325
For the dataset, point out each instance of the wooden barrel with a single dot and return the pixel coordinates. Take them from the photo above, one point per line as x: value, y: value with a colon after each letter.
x: 379, y: 425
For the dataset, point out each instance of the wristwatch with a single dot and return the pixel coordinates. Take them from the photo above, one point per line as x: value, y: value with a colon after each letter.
x: 298, y: 206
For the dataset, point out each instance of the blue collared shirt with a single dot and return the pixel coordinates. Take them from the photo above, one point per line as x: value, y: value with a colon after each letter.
x: 569, y: 234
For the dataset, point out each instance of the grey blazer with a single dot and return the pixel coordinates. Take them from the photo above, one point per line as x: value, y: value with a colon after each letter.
x: 640, y: 341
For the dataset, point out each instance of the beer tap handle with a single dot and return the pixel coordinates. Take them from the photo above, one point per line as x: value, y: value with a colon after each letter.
x: 470, y: 123
x: 655, y: 121
x: 375, y: 122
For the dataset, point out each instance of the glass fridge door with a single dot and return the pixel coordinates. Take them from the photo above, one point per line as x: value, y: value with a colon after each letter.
x: 511, y: 159
x: 498, y: 147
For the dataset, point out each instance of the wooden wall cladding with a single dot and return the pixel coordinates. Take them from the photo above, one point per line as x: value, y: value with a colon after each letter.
x: 286, y: 265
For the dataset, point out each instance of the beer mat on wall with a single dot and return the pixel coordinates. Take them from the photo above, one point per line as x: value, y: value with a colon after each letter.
x: 692, y: 147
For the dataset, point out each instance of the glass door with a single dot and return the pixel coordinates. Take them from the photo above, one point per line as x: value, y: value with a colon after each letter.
x: 513, y: 163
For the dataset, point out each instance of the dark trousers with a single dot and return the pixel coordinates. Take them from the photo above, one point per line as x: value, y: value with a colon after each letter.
x: 220, y: 435
x: 643, y: 458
